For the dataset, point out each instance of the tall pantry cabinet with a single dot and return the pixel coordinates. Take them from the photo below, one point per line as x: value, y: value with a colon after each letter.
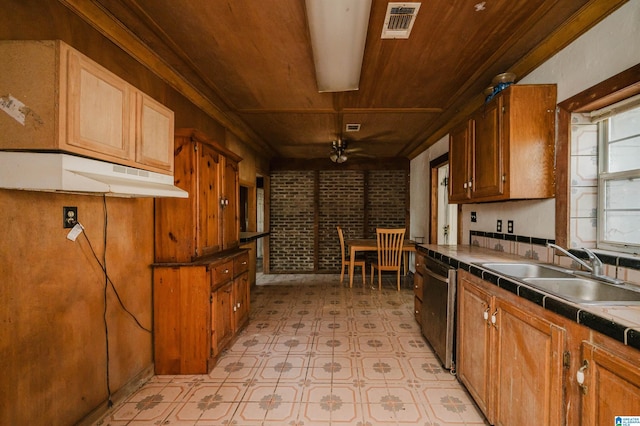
x: 201, y: 285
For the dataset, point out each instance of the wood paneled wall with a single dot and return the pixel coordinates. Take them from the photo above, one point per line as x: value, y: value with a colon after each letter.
x: 52, y: 339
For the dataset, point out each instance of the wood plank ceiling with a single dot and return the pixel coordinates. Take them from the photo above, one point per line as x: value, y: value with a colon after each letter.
x: 251, y: 61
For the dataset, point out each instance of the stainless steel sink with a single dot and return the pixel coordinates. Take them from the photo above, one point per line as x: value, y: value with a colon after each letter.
x: 527, y: 270
x: 586, y: 291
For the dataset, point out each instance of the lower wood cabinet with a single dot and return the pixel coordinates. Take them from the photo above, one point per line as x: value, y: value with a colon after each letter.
x: 611, y: 385
x: 510, y: 360
x: 198, y: 309
x: 525, y: 365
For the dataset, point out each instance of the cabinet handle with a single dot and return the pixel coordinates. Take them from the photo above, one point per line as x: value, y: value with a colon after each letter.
x: 235, y: 309
x: 244, y: 263
x: 580, y: 376
x: 226, y: 271
x: 464, y: 185
x: 485, y: 315
x: 417, y: 312
x: 494, y: 319
x: 470, y: 184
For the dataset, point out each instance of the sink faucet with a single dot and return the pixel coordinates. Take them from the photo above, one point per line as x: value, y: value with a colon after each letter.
x: 596, y: 268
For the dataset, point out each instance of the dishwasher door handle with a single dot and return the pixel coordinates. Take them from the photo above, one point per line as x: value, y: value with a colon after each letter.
x: 436, y: 276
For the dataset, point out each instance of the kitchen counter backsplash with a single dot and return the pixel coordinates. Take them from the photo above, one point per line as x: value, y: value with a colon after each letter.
x: 626, y: 268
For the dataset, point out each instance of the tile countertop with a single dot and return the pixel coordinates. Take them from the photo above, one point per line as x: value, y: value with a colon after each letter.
x: 619, y: 322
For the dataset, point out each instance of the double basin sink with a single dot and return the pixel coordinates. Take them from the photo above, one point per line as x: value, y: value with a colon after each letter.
x: 567, y: 284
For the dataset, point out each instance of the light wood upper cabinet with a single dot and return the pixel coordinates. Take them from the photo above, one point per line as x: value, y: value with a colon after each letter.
x: 100, y: 110
x: 154, y: 134
x: 505, y: 150
x: 72, y: 104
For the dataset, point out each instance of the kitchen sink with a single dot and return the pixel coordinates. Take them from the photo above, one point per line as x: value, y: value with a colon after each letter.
x: 586, y: 291
x: 527, y: 270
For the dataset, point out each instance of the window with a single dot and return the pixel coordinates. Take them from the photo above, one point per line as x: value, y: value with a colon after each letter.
x: 618, y: 218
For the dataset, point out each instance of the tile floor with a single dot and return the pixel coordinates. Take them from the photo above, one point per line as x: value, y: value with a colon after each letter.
x: 313, y: 353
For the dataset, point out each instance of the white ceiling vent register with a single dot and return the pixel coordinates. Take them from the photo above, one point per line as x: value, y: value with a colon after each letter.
x: 352, y: 127
x: 399, y: 19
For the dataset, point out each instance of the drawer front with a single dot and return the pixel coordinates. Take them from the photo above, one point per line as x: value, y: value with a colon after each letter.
x: 240, y: 264
x: 223, y: 272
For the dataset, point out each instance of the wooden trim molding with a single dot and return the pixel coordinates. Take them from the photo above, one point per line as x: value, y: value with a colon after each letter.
x: 608, y: 92
x: 433, y: 196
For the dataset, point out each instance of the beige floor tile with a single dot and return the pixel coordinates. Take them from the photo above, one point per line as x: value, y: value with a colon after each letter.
x: 314, y: 353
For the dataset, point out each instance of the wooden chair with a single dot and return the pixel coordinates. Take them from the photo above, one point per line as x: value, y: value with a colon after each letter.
x: 389, y: 252
x: 346, y: 261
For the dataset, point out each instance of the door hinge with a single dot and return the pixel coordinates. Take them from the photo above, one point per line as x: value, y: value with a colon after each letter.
x: 566, y: 359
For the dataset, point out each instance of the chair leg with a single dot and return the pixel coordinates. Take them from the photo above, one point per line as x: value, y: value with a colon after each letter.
x: 398, y: 279
x: 342, y: 274
x: 379, y: 280
x: 372, y: 274
x: 364, y: 279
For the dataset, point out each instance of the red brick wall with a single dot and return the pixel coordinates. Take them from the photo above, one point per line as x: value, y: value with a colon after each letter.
x: 353, y: 199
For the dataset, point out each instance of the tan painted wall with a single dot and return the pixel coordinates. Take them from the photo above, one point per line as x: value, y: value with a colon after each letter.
x: 52, y: 335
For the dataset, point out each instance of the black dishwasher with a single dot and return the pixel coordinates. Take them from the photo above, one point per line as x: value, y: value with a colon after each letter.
x: 438, y: 309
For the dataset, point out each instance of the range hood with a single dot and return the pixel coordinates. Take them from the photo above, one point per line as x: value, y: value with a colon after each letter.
x: 38, y: 171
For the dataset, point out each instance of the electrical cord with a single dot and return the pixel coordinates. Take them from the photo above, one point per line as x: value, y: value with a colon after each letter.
x: 107, y: 282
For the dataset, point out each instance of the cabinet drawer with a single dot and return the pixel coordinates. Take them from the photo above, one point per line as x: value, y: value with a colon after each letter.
x: 223, y: 272
x: 240, y: 264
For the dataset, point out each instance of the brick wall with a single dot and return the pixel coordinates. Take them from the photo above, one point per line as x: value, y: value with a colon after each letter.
x: 341, y: 196
x: 291, y: 246
x: 346, y: 198
x: 386, y: 200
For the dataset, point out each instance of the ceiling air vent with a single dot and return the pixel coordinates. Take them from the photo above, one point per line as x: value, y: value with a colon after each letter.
x: 352, y: 127
x: 399, y: 19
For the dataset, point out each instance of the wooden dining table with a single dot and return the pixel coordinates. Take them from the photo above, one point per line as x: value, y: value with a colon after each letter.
x: 371, y: 244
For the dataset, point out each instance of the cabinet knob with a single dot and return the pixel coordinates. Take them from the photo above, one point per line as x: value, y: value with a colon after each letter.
x: 494, y: 319
x: 580, y: 376
x: 485, y: 314
x: 464, y: 185
x: 244, y: 263
x: 226, y: 271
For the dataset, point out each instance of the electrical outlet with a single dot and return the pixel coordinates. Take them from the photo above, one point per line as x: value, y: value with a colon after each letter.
x: 474, y: 218
x: 69, y: 217
x: 499, y: 226
x: 510, y: 226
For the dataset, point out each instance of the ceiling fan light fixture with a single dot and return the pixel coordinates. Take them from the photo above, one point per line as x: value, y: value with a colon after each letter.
x: 338, y: 30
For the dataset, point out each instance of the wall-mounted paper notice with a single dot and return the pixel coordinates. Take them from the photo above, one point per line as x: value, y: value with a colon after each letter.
x: 13, y: 107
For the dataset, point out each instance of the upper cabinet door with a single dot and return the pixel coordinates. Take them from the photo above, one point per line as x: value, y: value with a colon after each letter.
x: 100, y: 110
x: 231, y: 209
x: 460, y: 179
x: 154, y: 133
x: 488, y: 162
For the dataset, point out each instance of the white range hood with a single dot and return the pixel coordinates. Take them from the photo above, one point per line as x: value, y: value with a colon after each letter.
x: 37, y: 171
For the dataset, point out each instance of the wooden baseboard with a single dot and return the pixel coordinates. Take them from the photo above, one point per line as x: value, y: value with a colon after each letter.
x: 119, y: 396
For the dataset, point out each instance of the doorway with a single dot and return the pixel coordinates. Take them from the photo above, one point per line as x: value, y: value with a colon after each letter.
x: 444, y: 216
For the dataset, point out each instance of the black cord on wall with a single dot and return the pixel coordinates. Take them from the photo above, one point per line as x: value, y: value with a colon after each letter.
x: 107, y: 282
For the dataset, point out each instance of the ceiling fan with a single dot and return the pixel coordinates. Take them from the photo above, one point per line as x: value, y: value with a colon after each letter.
x: 339, y: 151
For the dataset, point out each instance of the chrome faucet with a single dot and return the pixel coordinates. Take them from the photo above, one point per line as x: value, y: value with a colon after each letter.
x: 596, y: 268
